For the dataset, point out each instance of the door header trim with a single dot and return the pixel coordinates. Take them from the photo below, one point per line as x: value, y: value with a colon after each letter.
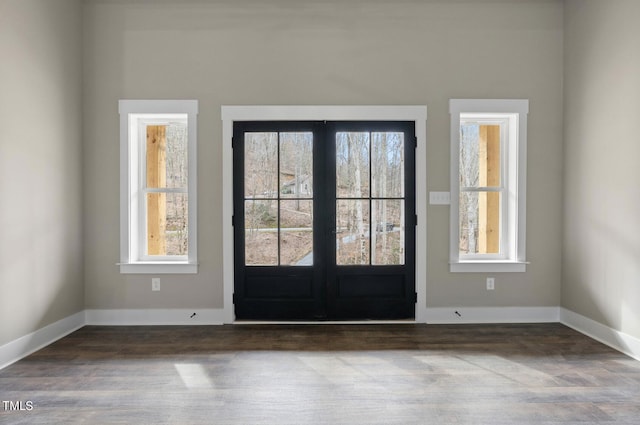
x: 324, y: 113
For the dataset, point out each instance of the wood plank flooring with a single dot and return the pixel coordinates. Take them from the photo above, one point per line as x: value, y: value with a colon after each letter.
x: 324, y: 374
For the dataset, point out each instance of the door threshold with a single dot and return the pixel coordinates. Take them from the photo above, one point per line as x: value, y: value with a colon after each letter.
x: 326, y: 322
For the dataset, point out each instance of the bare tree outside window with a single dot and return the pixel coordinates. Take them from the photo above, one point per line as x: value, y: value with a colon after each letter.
x: 387, y: 176
x: 352, y: 188
x: 469, y: 172
x: 177, y: 175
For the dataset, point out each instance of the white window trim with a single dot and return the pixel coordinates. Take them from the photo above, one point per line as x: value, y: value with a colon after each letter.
x: 416, y: 113
x: 130, y: 175
x: 514, y: 259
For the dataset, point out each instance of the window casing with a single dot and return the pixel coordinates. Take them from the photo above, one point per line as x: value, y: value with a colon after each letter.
x: 488, y: 185
x: 158, y: 186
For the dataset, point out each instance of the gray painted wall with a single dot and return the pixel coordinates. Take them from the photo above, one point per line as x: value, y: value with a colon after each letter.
x: 321, y: 52
x: 601, y: 274
x: 315, y: 52
x: 41, y: 259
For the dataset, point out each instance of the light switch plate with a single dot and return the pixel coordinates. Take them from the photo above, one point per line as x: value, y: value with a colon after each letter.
x: 439, y: 198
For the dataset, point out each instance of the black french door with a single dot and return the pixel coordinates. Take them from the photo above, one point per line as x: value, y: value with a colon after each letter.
x: 324, y: 220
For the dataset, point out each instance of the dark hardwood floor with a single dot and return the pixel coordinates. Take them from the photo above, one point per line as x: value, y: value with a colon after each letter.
x: 323, y: 374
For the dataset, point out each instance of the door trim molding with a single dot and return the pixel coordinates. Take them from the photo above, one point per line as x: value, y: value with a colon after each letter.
x: 231, y: 113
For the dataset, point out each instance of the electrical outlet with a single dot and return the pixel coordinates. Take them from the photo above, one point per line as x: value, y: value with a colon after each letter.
x: 491, y: 284
x: 155, y: 284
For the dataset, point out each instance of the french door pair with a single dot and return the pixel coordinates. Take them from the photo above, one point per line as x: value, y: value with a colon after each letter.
x: 324, y: 220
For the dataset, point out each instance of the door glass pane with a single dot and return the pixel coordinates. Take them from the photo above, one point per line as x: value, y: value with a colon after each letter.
x: 387, y: 168
x: 352, y: 164
x: 388, y: 237
x: 296, y: 233
x: 352, y: 232
x: 479, y: 155
x: 296, y: 165
x: 480, y: 222
x: 261, y: 165
x: 261, y: 232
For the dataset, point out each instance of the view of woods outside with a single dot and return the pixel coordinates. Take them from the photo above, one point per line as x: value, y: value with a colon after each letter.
x: 278, y: 191
x: 476, y: 181
x: 278, y: 196
x: 369, y: 189
x: 166, y: 189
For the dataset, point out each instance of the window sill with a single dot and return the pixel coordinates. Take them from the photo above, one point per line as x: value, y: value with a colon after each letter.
x: 157, y: 267
x: 488, y: 266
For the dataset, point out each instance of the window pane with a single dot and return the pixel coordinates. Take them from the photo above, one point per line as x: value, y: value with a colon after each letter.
x: 387, y: 169
x: 388, y: 237
x: 261, y: 165
x: 296, y: 165
x: 177, y: 157
x: 352, y: 165
x: 177, y: 224
x: 296, y: 233
x: 480, y: 155
x: 166, y: 155
x: 352, y: 232
x: 167, y: 224
x: 468, y: 222
x: 261, y: 232
x: 480, y: 222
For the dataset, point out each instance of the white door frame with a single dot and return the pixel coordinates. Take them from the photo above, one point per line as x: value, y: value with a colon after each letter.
x: 416, y: 113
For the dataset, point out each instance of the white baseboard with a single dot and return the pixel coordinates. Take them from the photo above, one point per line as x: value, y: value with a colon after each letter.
x: 131, y: 317
x: 617, y: 340
x: 23, y: 346
x: 470, y: 315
